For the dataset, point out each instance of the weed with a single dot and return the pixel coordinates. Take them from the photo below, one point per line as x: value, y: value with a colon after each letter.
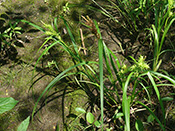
x: 128, y: 81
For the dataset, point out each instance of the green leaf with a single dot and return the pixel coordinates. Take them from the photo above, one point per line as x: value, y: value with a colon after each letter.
x: 18, y: 32
x: 36, y: 26
x: 90, y: 117
x: 118, y: 115
x: 57, y: 128
x: 6, y: 31
x: 97, y: 123
x: 150, y: 118
x: 107, y: 129
x: 80, y: 110
x: 167, y: 99
x: 100, y: 53
x: 157, y: 93
x: 24, y: 125
x: 126, y: 103
x: 139, y: 125
x: 7, y: 104
x: 17, y: 28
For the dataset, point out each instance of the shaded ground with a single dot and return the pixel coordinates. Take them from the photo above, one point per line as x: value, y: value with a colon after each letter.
x: 16, y: 74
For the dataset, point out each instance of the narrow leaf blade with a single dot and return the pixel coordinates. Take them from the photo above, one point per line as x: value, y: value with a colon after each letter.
x: 139, y: 125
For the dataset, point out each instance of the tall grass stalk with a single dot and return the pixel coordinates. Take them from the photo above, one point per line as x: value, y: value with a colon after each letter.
x: 126, y: 103
x: 158, y: 96
x: 100, y: 52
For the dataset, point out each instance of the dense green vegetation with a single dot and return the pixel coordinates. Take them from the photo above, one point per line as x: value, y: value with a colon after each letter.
x: 118, y: 54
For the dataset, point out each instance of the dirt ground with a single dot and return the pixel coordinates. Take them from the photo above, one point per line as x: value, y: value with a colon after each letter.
x: 16, y: 75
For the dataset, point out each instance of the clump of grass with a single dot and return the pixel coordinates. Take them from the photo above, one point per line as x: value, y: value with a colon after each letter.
x: 119, y: 88
x: 164, y: 18
x: 138, y: 77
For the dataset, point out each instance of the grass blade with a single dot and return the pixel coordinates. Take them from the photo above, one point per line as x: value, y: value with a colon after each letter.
x: 158, y: 95
x: 126, y: 103
x: 152, y: 113
x: 164, y: 76
x: 100, y: 49
x: 72, y: 38
x: 36, y: 26
x: 53, y: 44
x: 55, y: 24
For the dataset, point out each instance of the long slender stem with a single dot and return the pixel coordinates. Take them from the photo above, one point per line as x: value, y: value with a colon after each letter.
x: 100, y: 46
x: 100, y: 49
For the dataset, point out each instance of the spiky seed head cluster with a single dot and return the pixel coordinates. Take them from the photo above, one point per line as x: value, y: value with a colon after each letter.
x: 141, y: 64
x: 138, y: 67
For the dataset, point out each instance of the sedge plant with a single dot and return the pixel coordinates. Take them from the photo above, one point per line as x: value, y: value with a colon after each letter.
x: 164, y: 18
x: 125, y: 83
